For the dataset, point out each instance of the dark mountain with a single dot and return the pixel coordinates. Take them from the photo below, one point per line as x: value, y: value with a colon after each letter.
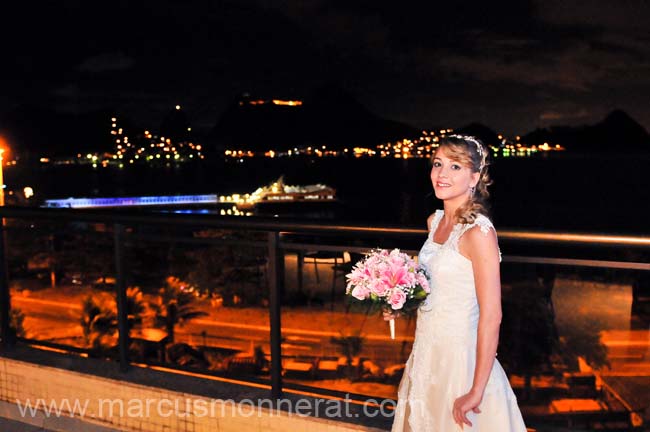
x: 258, y: 124
x: 341, y: 121
x: 329, y: 117
x: 176, y: 126
x: 35, y: 132
x: 618, y: 132
x: 621, y: 130
x: 484, y: 133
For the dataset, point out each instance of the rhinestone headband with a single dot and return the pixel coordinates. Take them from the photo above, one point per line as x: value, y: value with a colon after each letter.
x: 479, y: 147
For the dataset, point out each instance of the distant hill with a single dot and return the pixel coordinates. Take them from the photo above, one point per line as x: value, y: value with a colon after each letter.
x: 618, y: 132
x: 484, y: 133
x: 34, y: 131
x: 176, y: 125
x: 329, y: 117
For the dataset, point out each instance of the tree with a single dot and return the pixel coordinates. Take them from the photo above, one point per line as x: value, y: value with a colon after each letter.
x: 99, y: 317
x: 233, y: 272
x: 207, y: 269
x: 175, y: 305
x: 580, y: 337
x: 98, y: 322
x: 528, y: 338
x: 87, y: 252
x: 16, y: 323
x: 135, y: 306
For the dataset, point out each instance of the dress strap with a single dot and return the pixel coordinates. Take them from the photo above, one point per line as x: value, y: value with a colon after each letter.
x: 437, y: 216
x: 484, y: 224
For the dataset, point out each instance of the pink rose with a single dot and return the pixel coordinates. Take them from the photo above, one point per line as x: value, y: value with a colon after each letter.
x: 379, y: 287
x: 397, y: 299
x: 360, y: 292
x: 409, y: 279
x: 423, y: 282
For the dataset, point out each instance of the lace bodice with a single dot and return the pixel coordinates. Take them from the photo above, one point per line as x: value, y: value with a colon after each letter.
x: 457, y: 231
x: 452, y: 302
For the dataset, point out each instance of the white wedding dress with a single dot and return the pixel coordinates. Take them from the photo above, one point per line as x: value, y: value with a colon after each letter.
x: 441, y: 365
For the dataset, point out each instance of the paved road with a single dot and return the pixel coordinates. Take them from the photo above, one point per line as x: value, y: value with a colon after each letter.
x: 629, y: 351
x: 55, y: 319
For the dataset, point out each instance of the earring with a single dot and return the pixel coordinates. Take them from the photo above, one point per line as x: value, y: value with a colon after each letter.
x: 471, y: 190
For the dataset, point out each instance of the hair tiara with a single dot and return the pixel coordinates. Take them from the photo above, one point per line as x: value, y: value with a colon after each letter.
x: 479, y: 148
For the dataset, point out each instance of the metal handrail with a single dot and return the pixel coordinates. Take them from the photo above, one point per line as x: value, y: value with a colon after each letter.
x: 306, y: 227
x: 584, y: 238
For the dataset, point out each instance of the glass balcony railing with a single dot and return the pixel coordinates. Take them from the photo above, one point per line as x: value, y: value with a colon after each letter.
x: 264, y: 301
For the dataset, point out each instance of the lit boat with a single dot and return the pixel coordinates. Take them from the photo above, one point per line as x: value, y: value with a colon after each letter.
x: 278, y: 192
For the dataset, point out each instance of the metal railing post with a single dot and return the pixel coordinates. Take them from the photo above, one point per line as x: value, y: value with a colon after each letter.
x: 5, y: 296
x: 301, y: 257
x: 275, y: 272
x: 120, y: 286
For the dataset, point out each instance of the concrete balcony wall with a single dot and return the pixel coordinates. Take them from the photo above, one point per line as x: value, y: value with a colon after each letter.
x: 93, y: 403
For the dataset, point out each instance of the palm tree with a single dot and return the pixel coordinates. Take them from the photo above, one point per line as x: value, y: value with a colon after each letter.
x: 98, y: 321
x: 135, y: 306
x: 99, y: 316
x: 175, y: 305
x: 135, y: 309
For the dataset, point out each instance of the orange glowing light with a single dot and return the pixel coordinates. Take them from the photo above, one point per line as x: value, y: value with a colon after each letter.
x: 287, y: 102
x: 4, y: 145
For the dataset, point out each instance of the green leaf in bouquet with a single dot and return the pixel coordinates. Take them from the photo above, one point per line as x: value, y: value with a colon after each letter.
x: 419, y: 293
x: 363, y: 306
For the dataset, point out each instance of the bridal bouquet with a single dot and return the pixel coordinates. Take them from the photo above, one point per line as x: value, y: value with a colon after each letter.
x: 388, y: 280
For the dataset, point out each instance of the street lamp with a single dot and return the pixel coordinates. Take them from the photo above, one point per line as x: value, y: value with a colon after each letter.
x: 2, y: 183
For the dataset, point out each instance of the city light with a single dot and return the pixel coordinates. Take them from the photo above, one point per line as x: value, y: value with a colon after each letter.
x: 138, y: 148
x: 148, y: 148
x: 422, y: 147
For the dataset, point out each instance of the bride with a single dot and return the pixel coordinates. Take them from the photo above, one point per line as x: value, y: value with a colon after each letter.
x: 452, y: 380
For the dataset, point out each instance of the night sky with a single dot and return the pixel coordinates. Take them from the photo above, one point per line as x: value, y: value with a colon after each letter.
x: 511, y: 66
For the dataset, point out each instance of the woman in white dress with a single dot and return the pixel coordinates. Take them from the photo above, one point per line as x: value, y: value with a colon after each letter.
x: 452, y: 381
